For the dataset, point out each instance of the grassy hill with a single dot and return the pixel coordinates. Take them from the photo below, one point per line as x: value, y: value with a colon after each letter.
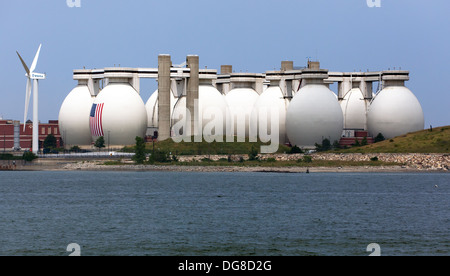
x: 205, y: 148
x: 425, y: 141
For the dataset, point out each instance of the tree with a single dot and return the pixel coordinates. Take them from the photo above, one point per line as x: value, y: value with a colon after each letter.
x: 253, y: 154
x: 326, y: 145
x: 50, y: 142
x: 139, y: 150
x: 364, y: 142
x: 379, y: 138
x: 336, y: 144
x: 100, y: 143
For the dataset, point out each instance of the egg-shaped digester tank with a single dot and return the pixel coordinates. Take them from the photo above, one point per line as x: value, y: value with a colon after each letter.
x: 118, y: 114
x: 74, y: 117
x: 213, y: 108
x: 314, y: 115
x: 241, y: 102
x: 395, y: 111
x: 271, y: 100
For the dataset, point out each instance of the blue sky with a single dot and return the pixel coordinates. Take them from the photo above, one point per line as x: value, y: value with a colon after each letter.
x: 252, y: 35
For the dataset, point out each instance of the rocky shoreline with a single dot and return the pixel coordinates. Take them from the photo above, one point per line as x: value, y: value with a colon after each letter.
x: 93, y: 166
x: 406, y: 163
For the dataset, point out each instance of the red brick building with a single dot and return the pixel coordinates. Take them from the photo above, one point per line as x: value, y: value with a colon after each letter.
x: 13, y: 137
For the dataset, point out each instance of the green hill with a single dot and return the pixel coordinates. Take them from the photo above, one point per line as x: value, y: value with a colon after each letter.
x: 425, y: 141
x: 205, y: 148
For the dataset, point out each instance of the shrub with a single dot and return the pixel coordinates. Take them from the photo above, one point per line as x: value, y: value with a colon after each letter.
x: 29, y: 156
x: 159, y: 156
x: 379, y: 138
x: 50, y: 142
x: 6, y: 156
x: 336, y: 144
x: 326, y: 145
x: 139, y: 151
x: 75, y: 149
x: 295, y: 150
x: 364, y: 141
x: 253, y: 155
x: 307, y: 159
x: 174, y: 158
x: 374, y: 159
x: 100, y: 143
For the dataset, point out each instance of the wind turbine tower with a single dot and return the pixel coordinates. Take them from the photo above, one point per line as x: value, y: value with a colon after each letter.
x: 31, y: 75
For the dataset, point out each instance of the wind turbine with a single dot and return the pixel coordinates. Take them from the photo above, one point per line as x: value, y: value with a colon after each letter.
x: 31, y: 75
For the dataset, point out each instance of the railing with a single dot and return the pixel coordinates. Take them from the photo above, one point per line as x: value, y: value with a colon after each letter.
x: 92, y: 155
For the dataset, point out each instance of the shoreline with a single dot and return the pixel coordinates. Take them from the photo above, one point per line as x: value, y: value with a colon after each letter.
x: 418, y: 163
x: 95, y: 166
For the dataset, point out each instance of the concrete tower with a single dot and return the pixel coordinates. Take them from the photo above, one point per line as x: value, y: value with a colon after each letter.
x: 192, y: 62
x: 164, y: 64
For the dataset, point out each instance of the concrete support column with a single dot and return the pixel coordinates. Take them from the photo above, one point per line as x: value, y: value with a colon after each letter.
x: 259, y: 86
x: 344, y: 87
x: 366, y: 89
x: 287, y: 66
x: 164, y: 64
x: 192, y: 62
x: 226, y: 69
x: 135, y: 82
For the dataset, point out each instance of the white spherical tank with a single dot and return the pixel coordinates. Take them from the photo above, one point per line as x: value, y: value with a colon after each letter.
x: 354, y: 109
x: 240, y: 102
x: 271, y: 99
x: 74, y: 117
x: 395, y: 111
x: 314, y: 114
x: 213, y: 108
x: 152, y: 109
x: 118, y: 114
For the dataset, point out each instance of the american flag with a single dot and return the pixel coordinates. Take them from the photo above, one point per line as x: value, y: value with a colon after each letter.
x: 96, y: 120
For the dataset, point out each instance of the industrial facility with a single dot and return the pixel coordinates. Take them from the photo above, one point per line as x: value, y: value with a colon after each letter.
x: 16, y: 136
x: 192, y: 102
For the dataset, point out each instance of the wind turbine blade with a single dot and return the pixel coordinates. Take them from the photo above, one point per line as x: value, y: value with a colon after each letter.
x: 33, y: 65
x: 24, y: 64
x: 27, y: 102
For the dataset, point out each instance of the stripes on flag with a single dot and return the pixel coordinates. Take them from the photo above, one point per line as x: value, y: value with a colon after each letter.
x: 95, y: 120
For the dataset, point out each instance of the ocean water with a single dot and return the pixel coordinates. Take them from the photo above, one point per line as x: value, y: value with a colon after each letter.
x: 224, y: 214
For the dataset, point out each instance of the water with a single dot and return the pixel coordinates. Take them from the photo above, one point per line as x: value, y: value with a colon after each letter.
x: 244, y: 214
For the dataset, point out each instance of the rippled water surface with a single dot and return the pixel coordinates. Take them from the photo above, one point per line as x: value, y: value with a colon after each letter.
x: 173, y: 213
